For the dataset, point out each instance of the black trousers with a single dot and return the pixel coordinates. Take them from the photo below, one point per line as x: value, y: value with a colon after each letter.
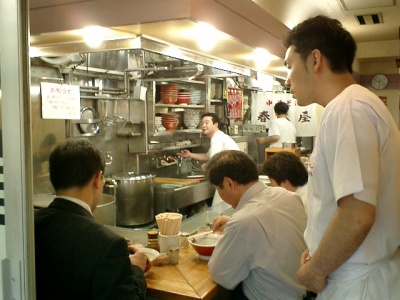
x: 238, y: 293
x: 310, y: 296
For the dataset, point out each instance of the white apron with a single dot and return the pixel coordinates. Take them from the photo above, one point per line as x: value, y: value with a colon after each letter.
x: 380, y: 280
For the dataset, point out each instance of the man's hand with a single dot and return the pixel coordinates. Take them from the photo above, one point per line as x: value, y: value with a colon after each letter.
x: 184, y: 153
x: 308, y: 277
x: 345, y: 233
x: 138, y: 258
x: 219, y: 223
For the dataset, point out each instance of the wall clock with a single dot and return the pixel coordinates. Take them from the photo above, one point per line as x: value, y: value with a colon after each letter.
x: 379, y: 81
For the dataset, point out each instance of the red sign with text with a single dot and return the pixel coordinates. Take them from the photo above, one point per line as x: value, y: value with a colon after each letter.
x: 235, y: 103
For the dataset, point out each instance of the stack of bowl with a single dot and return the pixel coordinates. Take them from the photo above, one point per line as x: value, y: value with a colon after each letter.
x: 170, y: 121
x: 196, y: 97
x: 183, y: 97
x: 157, y: 122
x: 191, y: 118
x: 169, y: 93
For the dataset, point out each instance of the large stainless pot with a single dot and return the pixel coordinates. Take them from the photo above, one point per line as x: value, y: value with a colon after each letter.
x: 134, y: 198
x: 105, y: 210
x: 103, y: 214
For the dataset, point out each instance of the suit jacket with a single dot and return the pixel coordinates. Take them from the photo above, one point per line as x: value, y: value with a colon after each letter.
x: 78, y: 258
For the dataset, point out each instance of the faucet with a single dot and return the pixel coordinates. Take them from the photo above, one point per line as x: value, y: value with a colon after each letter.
x: 179, y: 164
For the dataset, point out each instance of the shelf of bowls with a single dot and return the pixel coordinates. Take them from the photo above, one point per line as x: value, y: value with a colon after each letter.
x: 176, y: 104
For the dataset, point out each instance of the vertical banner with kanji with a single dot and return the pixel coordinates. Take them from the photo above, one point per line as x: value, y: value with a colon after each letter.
x: 304, y: 118
x: 235, y: 103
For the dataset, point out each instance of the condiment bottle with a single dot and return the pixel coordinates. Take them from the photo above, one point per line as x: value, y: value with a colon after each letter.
x: 173, y: 255
x: 152, y: 240
x: 184, y: 240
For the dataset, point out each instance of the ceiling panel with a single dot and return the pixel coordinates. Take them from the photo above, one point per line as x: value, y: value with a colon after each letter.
x: 58, y: 21
x: 365, y: 4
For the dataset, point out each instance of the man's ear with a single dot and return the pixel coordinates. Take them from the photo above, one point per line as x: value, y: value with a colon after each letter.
x: 316, y: 57
x: 285, y: 183
x: 229, y: 182
x: 97, y: 179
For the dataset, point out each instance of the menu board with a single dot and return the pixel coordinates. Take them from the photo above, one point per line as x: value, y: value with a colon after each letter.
x: 235, y: 103
x: 60, y: 101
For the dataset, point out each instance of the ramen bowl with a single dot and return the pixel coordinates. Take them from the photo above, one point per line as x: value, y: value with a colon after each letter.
x: 205, y: 245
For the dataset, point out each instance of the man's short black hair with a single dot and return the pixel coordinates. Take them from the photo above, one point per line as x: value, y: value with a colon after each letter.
x: 281, y: 108
x: 214, y: 117
x: 74, y: 163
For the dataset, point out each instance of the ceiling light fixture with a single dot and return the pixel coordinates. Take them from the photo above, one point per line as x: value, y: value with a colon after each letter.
x: 94, y: 35
x: 261, y: 58
x: 207, y: 36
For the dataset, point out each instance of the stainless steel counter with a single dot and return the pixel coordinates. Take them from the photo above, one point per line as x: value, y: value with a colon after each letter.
x: 170, y: 198
x: 190, y: 225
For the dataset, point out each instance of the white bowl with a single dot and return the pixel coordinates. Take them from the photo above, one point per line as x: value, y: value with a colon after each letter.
x: 151, y: 256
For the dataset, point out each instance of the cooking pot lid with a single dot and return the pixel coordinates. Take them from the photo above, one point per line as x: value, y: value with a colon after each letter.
x: 132, y: 176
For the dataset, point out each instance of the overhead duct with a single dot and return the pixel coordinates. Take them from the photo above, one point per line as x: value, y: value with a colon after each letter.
x: 370, y: 19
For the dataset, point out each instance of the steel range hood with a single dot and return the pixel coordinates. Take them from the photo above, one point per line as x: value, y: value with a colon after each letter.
x: 244, y: 24
x: 157, y: 55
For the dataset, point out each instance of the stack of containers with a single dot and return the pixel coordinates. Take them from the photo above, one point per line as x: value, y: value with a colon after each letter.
x: 170, y: 121
x: 191, y: 118
x: 169, y: 93
x: 196, y: 97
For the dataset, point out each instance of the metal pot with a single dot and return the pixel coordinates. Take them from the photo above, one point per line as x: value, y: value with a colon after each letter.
x: 105, y: 210
x: 134, y: 199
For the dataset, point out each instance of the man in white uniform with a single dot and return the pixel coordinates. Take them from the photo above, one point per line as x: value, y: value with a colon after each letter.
x: 353, y: 226
x: 280, y: 130
x: 262, y: 242
x: 219, y: 142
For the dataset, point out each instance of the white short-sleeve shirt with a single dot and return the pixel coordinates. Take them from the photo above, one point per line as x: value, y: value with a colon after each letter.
x: 220, y: 142
x: 285, y: 129
x: 357, y: 151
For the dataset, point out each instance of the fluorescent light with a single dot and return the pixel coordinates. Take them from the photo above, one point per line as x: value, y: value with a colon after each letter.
x: 94, y: 35
x: 207, y: 36
x: 261, y: 58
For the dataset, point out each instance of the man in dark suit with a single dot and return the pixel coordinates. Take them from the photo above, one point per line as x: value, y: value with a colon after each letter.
x: 76, y: 257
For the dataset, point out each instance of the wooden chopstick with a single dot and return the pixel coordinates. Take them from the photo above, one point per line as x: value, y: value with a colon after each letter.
x: 200, y: 234
x: 169, y: 223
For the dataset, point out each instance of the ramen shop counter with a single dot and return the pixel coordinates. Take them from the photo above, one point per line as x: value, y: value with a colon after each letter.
x: 189, y: 279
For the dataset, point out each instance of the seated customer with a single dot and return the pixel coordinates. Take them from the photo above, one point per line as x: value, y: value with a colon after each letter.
x: 76, y: 257
x: 258, y: 254
x: 286, y: 170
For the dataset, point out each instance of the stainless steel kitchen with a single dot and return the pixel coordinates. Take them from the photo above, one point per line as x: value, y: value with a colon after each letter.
x: 134, y: 78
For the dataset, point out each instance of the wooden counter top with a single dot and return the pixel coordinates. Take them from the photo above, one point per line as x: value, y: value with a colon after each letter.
x: 189, y: 279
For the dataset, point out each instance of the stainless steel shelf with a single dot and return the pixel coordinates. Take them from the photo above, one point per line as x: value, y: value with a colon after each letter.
x: 170, y: 146
x: 196, y: 106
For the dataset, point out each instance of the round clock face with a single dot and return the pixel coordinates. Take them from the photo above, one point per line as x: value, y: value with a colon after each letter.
x: 379, y: 81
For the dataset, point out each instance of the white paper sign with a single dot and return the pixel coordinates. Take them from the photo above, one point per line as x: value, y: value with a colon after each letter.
x: 60, y: 101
